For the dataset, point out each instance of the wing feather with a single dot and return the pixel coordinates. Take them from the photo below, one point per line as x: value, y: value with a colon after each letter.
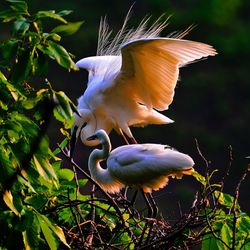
x: 142, y: 164
x: 152, y: 65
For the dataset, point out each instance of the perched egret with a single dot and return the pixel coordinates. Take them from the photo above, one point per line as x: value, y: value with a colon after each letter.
x: 132, y: 78
x: 144, y: 166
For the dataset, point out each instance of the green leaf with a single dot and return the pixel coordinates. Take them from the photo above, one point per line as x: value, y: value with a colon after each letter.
x: 21, y: 26
x: 22, y: 68
x: 45, y: 169
x: 7, y: 168
x: 50, y: 14
x: 212, y: 174
x: 58, y: 53
x: 30, y: 103
x: 5, y: 97
x: 26, y: 183
x: 25, y: 221
x: 16, y: 90
x: 66, y: 174
x: 68, y: 29
x: 48, y: 234
x: 199, y: 178
x: 109, y: 221
x: 40, y: 64
x: 30, y: 228
x: 51, y: 232
x: 7, y: 15
x: 30, y: 239
x: 8, y: 199
x: 37, y: 201
x: 82, y: 182
x: 40, y: 169
x: 43, y: 148
x: 63, y: 144
x: 2, y: 77
x: 64, y: 12
x: 42, y: 92
x: 52, y: 36
x: 9, y: 49
x: 63, y: 101
x: 63, y: 111
x: 29, y: 128
x: 226, y: 233
x: 66, y: 217
x: 19, y: 6
x: 244, y: 223
x: 225, y: 199
x: 210, y: 242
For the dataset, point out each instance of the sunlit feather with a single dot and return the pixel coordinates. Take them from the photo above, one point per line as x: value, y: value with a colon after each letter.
x: 134, y: 75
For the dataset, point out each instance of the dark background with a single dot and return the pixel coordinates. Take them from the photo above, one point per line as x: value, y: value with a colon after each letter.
x: 212, y: 101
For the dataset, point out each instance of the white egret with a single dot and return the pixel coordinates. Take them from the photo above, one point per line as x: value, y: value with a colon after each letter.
x: 144, y: 166
x: 132, y: 78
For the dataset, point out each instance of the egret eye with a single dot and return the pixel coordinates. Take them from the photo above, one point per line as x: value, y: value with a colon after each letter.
x: 169, y: 147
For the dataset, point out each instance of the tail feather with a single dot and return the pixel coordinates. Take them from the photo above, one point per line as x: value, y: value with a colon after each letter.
x: 146, y: 117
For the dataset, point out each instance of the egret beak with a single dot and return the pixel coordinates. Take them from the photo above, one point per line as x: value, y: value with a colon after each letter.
x: 91, y: 138
x: 73, y: 141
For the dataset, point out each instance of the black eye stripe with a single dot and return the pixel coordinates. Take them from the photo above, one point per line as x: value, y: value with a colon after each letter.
x: 84, y: 125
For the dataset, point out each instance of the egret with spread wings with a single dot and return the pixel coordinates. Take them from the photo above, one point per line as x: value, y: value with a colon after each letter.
x: 132, y: 78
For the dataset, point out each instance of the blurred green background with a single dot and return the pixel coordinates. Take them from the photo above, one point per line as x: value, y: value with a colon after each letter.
x: 212, y: 101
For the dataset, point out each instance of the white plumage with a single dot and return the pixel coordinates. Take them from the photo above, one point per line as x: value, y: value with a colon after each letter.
x: 132, y: 78
x: 143, y: 166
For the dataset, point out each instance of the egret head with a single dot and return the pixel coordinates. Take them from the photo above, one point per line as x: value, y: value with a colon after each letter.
x: 101, y: 136
x: 84, y: 126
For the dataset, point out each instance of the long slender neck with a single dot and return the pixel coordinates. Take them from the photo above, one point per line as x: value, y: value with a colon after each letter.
x: 101, y: 175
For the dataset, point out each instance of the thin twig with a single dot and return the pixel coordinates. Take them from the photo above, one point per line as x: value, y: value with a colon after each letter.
x: 92, y: 227
x: 207, y: 168
x: 180, y: 210
x: 201, y: 155
x: 228, y: 167
x: 76, y: 219
x: 76, y: 181
x: 139, y: 243
x: 235, y: 212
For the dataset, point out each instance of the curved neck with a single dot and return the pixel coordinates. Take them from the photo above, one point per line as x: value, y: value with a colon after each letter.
x: 98, y: 173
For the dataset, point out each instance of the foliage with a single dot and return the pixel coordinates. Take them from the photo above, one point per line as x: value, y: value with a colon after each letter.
x: 31, y: 178
x: 41, y: 206
x: 226, y: 226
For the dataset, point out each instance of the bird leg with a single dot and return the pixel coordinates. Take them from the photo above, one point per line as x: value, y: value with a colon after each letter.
x: 125, y: 193
x: 154, y: 206
x: 126, y: 141
x: 72, y: 142
x: 150, y: 209
x: 132, y: 202
x: 133, y: 140
x: 123, y: 136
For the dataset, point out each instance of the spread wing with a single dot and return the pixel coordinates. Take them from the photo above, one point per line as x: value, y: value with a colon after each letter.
x: 150, y: 67
x: 100, y: 67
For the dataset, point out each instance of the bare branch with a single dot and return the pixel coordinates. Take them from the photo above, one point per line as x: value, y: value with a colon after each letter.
x: 235, y: 212
x: 206, y: 170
